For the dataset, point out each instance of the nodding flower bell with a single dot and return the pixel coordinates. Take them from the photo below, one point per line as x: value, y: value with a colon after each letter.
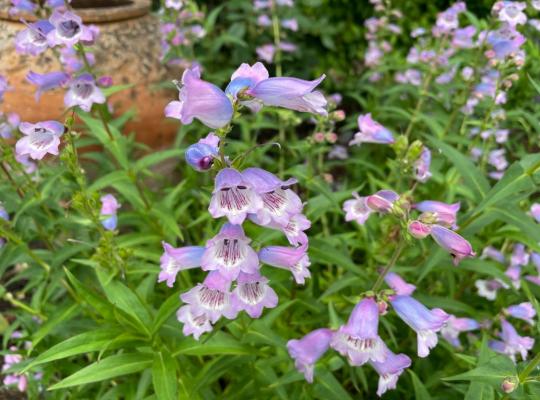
x: 83, y: 92
x: 524, y: 311
x: 389, y: 370
x: 426, y: 323
x: 418, y: 229
x: 201, y: 155
x: 48, y: 81
x: 175, y: 260
x: 308, y: 350
x: 371, y: 132
x: 195, y: 323
x: 233, y: 197
x: 294, y: 259
x: 252, y: 294
x: 421, y: 166
x: 454, y: 326
x: 456, y: 245
x: 359, y: 340
x: 39, y: 139
x: 229, y: 253
x: 201, y: 100
x: 356, y: 209
x: 511, y: 343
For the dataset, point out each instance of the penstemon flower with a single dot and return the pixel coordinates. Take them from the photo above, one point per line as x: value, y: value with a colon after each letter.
x: 252, y: 294
x: 5, y: 216
x: 109, y: 206
x: 371, y: 132
x: 294, y: 259
x: 398, y: 285
x: 309, y: 349
x: 175, y: 260
x: 21, y: 381
x: 511, y: 342
x: 524, y: 311
x: 48, y: 81
x: 39, y: 139
x: 83, y: 92
x: 456, y: 245
x: 454, y: 326
x: 68, y: 29
x: 33, y: 39
x: 390, y: 370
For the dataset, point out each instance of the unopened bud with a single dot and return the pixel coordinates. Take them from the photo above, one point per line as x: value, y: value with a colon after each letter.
x: 509, y: 384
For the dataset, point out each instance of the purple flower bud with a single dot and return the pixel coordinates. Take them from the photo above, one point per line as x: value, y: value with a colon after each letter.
x: 294, y: 259
x: 264, y: 20
x: 371, y: 132
x: 308, y: 350
x: 424, y: 321
x: 418, y: 229
x: 229, y: 253
x: 48, y: 81
x: 389, y: 370
x: 39, y: 139
x: 18, y: 6
x: 175, y: 260
x: 382, y: 201
x: 233, y: 197
x: 398, y: 285
x: 33, y: 39
x: 201, y: 100
x: 109, y: 205
x: 200, y: 156
x: 524, y: 311
x: 83, y: 92
x: 456, y: 245
x: 105, y: 81
x: 357, y: 209
x: 291, y: 24
x: 4, y: 87
x: 359, y: 340
x: 511, y: 343
x: 292, y: 93
x: 454, y: 326
x: 252, y: 294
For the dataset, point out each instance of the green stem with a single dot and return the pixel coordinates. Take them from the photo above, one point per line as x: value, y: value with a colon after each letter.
x: 529, y: 368
x: 391, y: 263
x: 277, y: 38
x: 419, y: 104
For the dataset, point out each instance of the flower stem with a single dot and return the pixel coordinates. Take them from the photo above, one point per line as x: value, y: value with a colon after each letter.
x: 391, y: 263
x: 529, y: 368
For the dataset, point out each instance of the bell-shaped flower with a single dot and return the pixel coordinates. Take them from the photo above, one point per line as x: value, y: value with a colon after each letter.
x: 308, y: 350
x: 514, y: 273
x: 443, y: 213
x: 505, y: 42
x: 83, y: 92
x: 494, y: 254
x: 279, y: 202
x: 463, y: 38
x: 511, y: 343
x: 382, y: 201
x: 356, y: 209
x: 426, y: 323
x: 39, y: 139
x: 48, y: 81
x: 109, y: 205
x: 511, y: 12
x: 33, y: 39
x: 421, y: 166
x: 456, y: 245
x: 371, y: 132
x: 18, y: 6
x: 294, y: 230
x: 398, y: 284
x: 488, y: 288
x: 252, y: 294
x: 389, y: 370
x: 194, y: 323
x: 233, y: 197
x: 68, y: 29
x: 418, y: 229
x: 229, y: 253
x: 244, y: 78
x: 359, y: 340
x: 454, y: 326
x: 212, y: 297
x: 201, y: 100
x: 292, y: 93
x: 175, y: 260
x: 524, y: 311
x: 519, y: 255
x: 201, y: 155
x: 294, y: 259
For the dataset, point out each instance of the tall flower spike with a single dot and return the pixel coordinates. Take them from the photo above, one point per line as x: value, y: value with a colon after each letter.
x: 454, y: 326
x: 371, y: 131
x: 212, y: 298
x: 359, y: 340
x: 356, y: 209
x: 279, y: 202
x: 233, y: 197
x: 39, y: 139
x: 294, y: 259
x: 292, y: 93
x: 229, y: 253
x: 389, y: 370
x: 175, y: 260
x: 456, y: 245
x: 308, y: 350
x: 201, y: 100
x: 252, y: 294
x: 426, y: 323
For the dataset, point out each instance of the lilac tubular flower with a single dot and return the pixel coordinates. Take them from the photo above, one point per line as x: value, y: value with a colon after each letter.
x: 359, y: 340
x: 18, y: 6
x: 389, y: 370
x: 382, y: 201
x: 463, y: 37
x: 519, y: 255
x: 194, y: 323
x: 294, y: 230
x: 524, y: 311
x: 418, y: 229
x: 201, y: 155
x: 39, y: 139
x: 11, y: 123
x: 424, y: 321
x: 511, y: 12
x: 233, y: 197
x: 308, y: 350
x: 454, y: 326
x: 201, y: 100
x: 456, y: 245
x: 488, y: 289
x: 290, y: 23
x: 109, y: 205
x: 252, y: 294
x: 279, y: 202
x: 356, y: 209
x: 292, y: 93
x: 266, y: 52
x: 175, y: 260
x: 68, y: 29
x: 264, y: 20
x: 371, y: 132
x: 33, y: 39
x: 493, y: 253
x: 29, y: 166
x: 244, y: 78
x: 48, y: 81
x: 174, y: 4
x: 398, y: 285
x: 4, y: 87
x: 505, y: 42
x: 444, y: 214
x: 421, y: 166
x: 11, y: 379
x: 212, y: 298
x: 229, y: 253
x: 83, y: 92
x: 294, y: 259
x: 512, y: 343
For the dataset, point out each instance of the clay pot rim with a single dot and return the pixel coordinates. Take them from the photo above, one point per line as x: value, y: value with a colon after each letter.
x: 97, y: 15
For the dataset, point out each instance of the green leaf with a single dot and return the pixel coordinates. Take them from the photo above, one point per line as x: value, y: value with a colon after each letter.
x: 221, y: 343
x: 167, y: 309
x: 164, y: 376
x: 493, y: 371
x: 157, y: 157
x: 328, y: 387
x: 420, y: 391
x: 108, y: 368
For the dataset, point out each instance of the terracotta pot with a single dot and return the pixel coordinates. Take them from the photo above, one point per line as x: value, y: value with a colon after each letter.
x: 128, y: 49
